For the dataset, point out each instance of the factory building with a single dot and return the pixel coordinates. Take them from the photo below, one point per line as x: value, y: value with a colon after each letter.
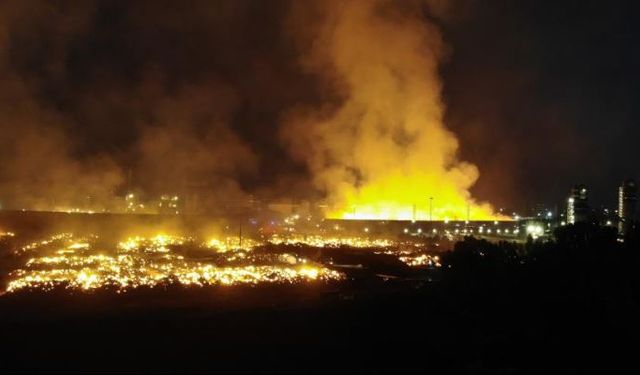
x: 578, y: 205
x: 627, y: 199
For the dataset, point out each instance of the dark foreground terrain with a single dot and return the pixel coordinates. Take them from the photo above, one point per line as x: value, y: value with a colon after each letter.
x: 571, y: 304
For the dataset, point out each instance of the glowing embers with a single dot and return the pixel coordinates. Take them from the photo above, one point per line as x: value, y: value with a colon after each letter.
x: 413, y: 256
x: 409, y: 253
x: 231, y: 244
x: 322, y: 241
x: 53, y: 239
x: 4, y: 235
x: 149, y: 262
x: 420, y: 260
x: 157, y: 244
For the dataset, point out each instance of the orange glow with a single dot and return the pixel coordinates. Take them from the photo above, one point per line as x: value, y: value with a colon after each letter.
x: 407, y: 198
x: 384, y: 150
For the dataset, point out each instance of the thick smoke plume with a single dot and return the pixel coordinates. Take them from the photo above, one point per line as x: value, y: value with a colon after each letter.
x: 81, y: 125
x: 381, y: 150
x: 101, y: 98
x: 38, y: 169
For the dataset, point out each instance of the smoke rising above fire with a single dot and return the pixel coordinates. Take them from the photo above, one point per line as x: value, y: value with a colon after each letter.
x: 37, y: 166
x: 382, y: 151
x: 341, y: 99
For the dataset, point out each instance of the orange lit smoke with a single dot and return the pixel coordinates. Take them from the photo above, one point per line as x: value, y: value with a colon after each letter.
x: 382, y: 152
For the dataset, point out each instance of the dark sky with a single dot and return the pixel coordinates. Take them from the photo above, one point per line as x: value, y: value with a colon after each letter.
x: 542, y: 94
x: 548, y: 92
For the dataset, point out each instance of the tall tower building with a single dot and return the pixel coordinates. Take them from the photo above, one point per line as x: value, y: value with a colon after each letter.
x: 627, y: 200
x: 578, y: 205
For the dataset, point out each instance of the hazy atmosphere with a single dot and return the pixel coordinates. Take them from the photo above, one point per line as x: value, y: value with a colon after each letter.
x: 274, y: 99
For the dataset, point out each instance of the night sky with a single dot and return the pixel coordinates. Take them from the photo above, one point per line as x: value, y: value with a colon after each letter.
x: 541, y: 94
x: 544, y: 94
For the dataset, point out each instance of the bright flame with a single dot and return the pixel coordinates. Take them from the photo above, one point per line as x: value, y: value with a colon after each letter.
x: 74, y: 262
x: 141, y: 261
x: 383, y: 151
x: 370, y: 207
x: 231, y: 244
x: 325, y: 241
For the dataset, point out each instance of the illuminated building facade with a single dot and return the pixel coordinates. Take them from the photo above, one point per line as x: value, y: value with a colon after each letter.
x: 627, y: 200
x: 578, y: 205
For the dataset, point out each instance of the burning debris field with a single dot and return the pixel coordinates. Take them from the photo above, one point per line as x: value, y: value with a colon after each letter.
x: 154, y: 261
x: 200, y: 293
x: 290, y: 186
x: 92, y: 261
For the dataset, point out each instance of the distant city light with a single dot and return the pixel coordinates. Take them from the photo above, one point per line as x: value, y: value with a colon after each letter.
x: 535, y: 230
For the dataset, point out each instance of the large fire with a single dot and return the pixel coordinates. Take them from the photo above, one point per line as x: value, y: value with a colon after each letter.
x: 89, y: 262
x: 383, y: 152
x: 78, y: 263
x: 394, y: 201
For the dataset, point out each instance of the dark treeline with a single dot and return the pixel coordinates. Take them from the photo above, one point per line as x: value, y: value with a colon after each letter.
x: 570, y: 302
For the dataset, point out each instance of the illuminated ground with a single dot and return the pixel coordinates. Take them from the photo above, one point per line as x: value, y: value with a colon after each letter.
x: 86, y: 253
x: 199, y: 295
x: 137, y: 261
x: 392, y: 308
